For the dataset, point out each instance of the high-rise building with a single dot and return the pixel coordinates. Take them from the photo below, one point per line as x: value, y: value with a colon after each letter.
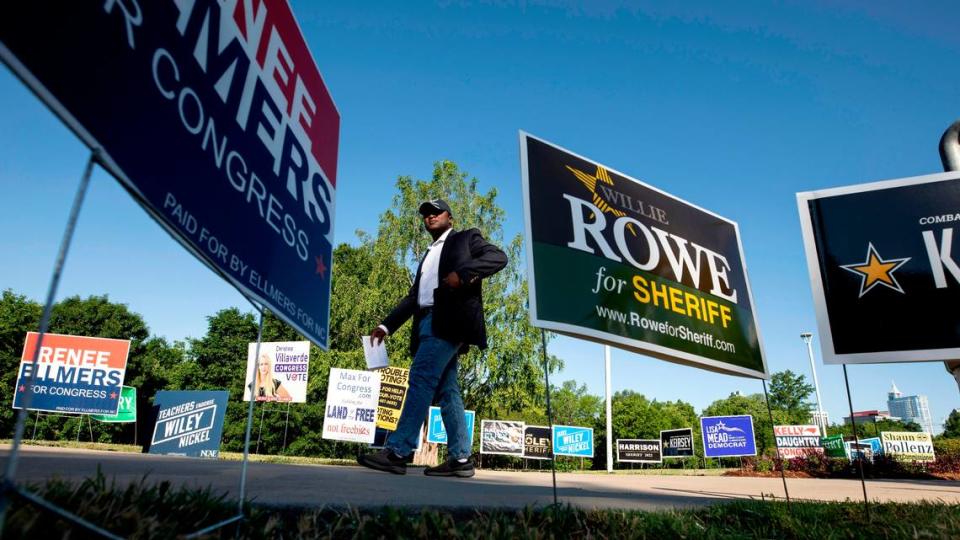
x: 910, y: 408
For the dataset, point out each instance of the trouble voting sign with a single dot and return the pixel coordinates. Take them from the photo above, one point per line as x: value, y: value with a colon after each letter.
x: 213, y: 115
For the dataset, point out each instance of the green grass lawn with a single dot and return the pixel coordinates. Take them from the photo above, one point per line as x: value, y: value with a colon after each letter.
x: 157, y: 510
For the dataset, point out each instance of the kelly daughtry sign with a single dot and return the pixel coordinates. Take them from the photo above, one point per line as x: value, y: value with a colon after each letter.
x: 616, y: 261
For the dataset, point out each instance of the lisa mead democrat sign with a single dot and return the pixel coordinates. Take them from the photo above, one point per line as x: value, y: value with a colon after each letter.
x: 189, y: 422
x: 728, y: 436
x: 884, y: 263
x: 213, y: 115
x: 616, y: 261
x: 73, y: 374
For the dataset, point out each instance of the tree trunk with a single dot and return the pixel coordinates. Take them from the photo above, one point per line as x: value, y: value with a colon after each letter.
x: 429, y: 453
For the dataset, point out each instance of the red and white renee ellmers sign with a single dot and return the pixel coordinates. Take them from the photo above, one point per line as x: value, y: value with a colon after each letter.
x: 72, y: 374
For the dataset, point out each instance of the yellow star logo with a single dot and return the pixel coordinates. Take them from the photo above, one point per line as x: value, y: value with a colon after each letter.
x: 590, y: 182
x: 876, y: 270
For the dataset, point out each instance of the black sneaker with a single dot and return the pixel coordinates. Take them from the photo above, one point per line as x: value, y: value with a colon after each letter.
x: 385, y: 460
x: 451, y: 467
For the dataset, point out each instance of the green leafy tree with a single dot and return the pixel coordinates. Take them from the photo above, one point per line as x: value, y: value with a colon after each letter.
x: 509, y: 374
x: 869, y: 428
x: 790, y: 393
x: 951, y: 428
x: 18, y: 315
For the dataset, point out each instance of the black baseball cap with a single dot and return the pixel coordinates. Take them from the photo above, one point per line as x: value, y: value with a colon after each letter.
x: 434, y: 206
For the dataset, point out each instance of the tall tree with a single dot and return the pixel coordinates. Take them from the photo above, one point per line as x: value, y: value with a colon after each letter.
x: 509, y: 374
x: 789, y: 392
x: 18, y: 315
x: 951, y: 428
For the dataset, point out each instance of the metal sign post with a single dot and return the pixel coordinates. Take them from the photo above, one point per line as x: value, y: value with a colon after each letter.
x: 546, y: 378
x: 606, y: 357
x: 7, y: 485
x: 856, y: 437
x: 783, y: 474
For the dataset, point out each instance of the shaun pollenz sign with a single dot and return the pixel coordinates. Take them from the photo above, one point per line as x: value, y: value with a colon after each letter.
x: 638, y: 268
x: 884, y: 263
x: 908, y: 446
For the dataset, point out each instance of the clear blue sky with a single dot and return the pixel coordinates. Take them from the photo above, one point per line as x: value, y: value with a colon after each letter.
x: 732, y: 106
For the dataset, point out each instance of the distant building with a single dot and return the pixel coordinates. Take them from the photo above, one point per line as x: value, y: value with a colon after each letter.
x: 870, y: 416
x: 910, y: 408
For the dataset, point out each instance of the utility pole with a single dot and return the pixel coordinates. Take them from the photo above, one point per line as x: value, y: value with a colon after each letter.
x: 807, y: 337
x: 950, y: 157
x: 606, y: 360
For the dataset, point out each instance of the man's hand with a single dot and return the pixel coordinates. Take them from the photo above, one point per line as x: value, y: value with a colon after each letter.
x: 452, y: 280
x: 377, y: 335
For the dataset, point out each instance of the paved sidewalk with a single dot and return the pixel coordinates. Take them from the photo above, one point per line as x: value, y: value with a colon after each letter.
x: 318, y: 485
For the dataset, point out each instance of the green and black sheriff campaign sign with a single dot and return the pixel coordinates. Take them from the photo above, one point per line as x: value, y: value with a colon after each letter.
x: 618, y: 262
x: 884, y: 266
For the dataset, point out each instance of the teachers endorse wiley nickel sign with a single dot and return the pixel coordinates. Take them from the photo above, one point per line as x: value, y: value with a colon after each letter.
x: 616, y: 261
x: 213, y: 116
x: 884, y: 263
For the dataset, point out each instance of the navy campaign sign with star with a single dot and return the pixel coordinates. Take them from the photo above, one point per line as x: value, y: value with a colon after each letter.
x: 884, y: 261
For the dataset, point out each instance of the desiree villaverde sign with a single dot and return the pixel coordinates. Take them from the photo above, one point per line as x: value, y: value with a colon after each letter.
x: 637, y: 268
x: 213, y: 115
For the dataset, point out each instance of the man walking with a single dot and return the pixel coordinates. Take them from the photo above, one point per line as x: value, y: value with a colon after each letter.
x: 447, y: 309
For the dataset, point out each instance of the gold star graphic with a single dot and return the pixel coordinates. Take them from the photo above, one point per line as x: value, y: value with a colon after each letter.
x: 876, y: 270
x: 590, y: 182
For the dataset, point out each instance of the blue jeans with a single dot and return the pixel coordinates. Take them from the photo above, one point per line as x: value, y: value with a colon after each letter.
x: 433, y: 374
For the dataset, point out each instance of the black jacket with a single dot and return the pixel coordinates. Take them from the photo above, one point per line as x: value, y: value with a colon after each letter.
x: 457, y: 313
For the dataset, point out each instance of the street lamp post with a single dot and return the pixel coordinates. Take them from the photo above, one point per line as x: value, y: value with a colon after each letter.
x: 807, y: 337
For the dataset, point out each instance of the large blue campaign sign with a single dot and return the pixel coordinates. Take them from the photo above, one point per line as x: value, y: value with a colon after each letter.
x: 573, y: 441
x: 213, y: 115
x: 189, y: 422
x: 437, y: 433
x: 728, y: 436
